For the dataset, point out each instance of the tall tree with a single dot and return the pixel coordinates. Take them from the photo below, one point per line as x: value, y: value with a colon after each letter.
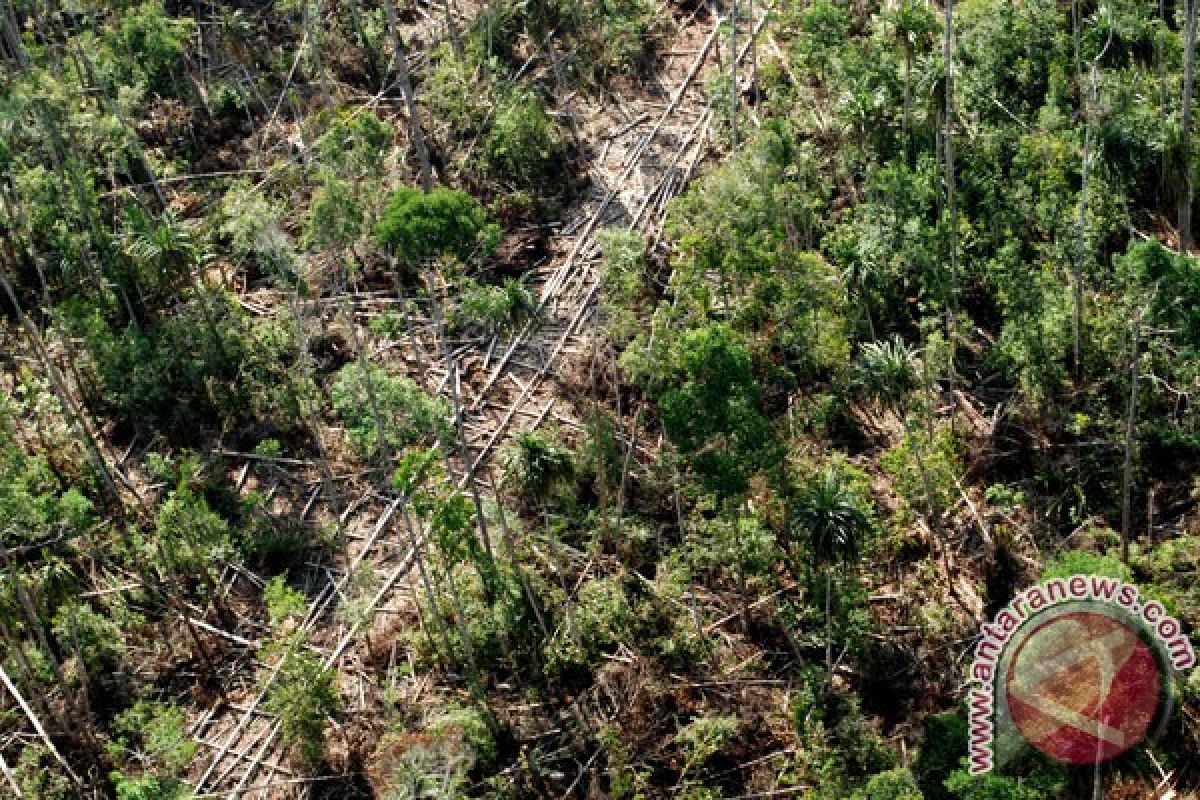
x: 1185, y: 143
x: 400, y: 59
x: 834, y: 525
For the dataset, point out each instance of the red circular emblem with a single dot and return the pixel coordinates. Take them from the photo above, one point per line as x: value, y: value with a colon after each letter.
x: 1083, y: 687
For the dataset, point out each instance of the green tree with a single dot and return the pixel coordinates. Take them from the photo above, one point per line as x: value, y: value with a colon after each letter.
x: 417, y: 226
x: 709, y: 400
x: 834, y: 525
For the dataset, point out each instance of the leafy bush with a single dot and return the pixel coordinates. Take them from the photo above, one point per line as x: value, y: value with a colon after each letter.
x: 623, y: 280
x: 158, y: 731
x: 205, y: 363
x: 147, y: 46
x: 253, y: 226
x: 523, y: 148
x: 190, y: 534
x: 407, y: 414
x: 600, y: 619
x: 493, y: 308
x: 417, y: 226
x: 538, y: 466
x: 924, y: 471
x: 355, y: 144
x: 895, y: 784
x: 711, y: 412
x: 156, y: 735
x: 282, y: 601
x: 335, y: 216
x: 1079, y: 562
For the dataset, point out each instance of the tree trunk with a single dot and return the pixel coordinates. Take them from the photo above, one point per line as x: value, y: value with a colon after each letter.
x: 1130, y: 423
x: 12, y: 35
x: 1185, y: 143
x: 829, y: 621
x: 733, y: 77
x: 410, y: 101
x: 37, y: 726
x: 951, y: 206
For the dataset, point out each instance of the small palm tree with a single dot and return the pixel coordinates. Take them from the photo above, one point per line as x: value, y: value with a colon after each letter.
x: 834, y: 524
x: 537, y: 466
x: 887, y: 371
x: 162, y: 250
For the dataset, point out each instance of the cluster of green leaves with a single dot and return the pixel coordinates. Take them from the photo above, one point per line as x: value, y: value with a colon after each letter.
x: 419, y: 226
x: 379, y: 407
x: 301, y: 690
x: 205, y: 363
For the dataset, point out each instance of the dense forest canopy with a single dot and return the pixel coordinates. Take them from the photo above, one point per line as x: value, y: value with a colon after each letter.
x: 580, y: 398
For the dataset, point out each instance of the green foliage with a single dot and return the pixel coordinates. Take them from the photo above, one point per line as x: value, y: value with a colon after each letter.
x: 162, y: 254
x: 743, y: 237
x: 417, y: 226
x: 149, y: 787
x: 355, y: 144
x: 703, y: 738
x: 709, y: 399
x: 407, y: 415
x: 39, y: 775
x: 538, y: 466
x: 925, y: 469
x: 887, y: 371
x: 1081, y: 562
x: 282, y: 601
x: 435, y: 762
x: 32, y: 501
x: 97, y: 639
x: 832, y: 517
x: 204, y: 363
x: 335, y: 218
x: 895, y: 784
x: 623, y: 280
x: 253, y: 227
x: 191, y: 537
x: 600, y: 619
x: 147, y: 46
x: 943, y: 746
x: 1046, y: 782
x: 158, y: 731
x: 303, y: 695
x: 493, y: 308
x: 522, y: 148
x: 838, y: 746
x: 457, y: 93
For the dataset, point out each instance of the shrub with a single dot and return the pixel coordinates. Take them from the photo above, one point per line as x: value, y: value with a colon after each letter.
x: 335, y: 217
x: 925, y: 472
x: 355, y: 144
x: 147, y: 45
x: 253, y: 226
x: 205, y: 363
x: 493, y: 308
x: 191, y: 535
x: 282, y: 601
x: 522, y: 148
x: 408, y: 415
x: 158, y: 731
x: 304, y: 695
x: 895, y: 784
x: 1079, y: 562
x: 601, y: 618
x: 417, y: 226
x: 623, y: 281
